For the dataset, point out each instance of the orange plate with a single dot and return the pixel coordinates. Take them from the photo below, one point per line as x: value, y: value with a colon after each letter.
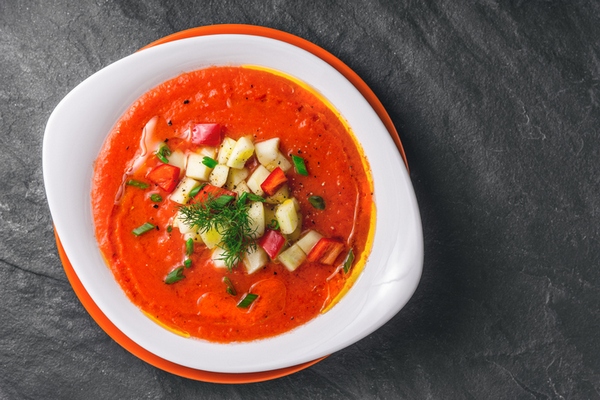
x: 109, y: 327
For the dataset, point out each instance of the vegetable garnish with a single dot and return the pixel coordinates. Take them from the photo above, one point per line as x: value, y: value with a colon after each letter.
x: 163, y: 152
x: 229, y: 218
x: 138, y: 184
x: 299, y: 165
x: 166, y: 176
x: 229, y: 286
x: 195, y: 191
x: 209, y: 162
x: 247, y: 300
x: 274, y: 225
x: 189, y: 247
x: 140, y: 230
x: 317, y: 202
x: 348, y: 261
x: 155, y: 197
x: 175, y: 276
x: 187, y: 263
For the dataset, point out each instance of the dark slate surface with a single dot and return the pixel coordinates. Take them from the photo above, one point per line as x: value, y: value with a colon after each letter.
x: 498, y: 106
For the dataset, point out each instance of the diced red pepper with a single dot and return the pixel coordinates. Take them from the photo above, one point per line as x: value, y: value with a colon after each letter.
x: 275, y: 179
x: 325, y: 251
x: 206, y: 134
x: 211, y: 192
x: 166, y: 176
x: 272, y: 242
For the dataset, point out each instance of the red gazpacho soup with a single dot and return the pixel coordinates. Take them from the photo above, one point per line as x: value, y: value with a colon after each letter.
x: 233, y: 204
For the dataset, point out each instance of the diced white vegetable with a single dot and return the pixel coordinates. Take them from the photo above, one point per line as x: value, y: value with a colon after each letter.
x: 267, y: 151
x: 281, y: 195
x: 242, y: 151
x: 182, y: 226
x: 255, y: 259
x: 194, y: 235
x: 256, y: 214
x: 292, y: 237
x: 287, y: 216
x: 308, y: 241
x: 195, y: 169
x: 236, y: 176
x: 211, y: 238
x: 280, y: 161
x: 208, y: 152
x: 218, y: 176
x: 217, y: 257
x: 296, y: 204
x: 181, y: 194
x: 178, y: 159
x: 225, y: 150
x: 256, y: 179
x: 269, y: 214
x: 241, y: 187
x: 292, y: 258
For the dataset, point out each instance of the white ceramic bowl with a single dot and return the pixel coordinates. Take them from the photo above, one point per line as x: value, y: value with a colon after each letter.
x: 78, y: 127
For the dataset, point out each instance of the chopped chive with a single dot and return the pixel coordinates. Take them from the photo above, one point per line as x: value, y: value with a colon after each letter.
x: 229, y: 286
x: 163, y: 152
x: 169, y: 228
x: 247, y: 300
x: 254, y: 197
x: 348, y: 261
x: 138, y: 184
x: 223, y: 200
x: 209, y: 162
x: 187, y: 263
x: 146, y: 227
x: 317, y: 202
x: 299, y: 165
x: 189, y: 247
x: 196, y: 190
x: 274, y: 225
x: 175, y: 276
x: 155, y: 197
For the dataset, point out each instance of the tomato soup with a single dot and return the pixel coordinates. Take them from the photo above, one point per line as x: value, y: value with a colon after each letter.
x: 173, y: 275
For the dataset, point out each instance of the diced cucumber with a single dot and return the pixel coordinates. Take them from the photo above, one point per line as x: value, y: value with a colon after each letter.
x: 292, y: 237
x: 219, y: 174
x: 236, y: 176
x: 217, y: 257
x: 256, y: 214
x: 242, y: 151
x: 181, y: 194
x: 194, y: 235
x: 211, y: 238
x: 308, y: 241
x: 255, y: 259
x: 225, y: 150
x: 241, y: 187
x: 256, y: 179
x: 196, y: 169
x: 182, y: 226
x: 178, y: 159
x: 267, y: 151
x: 287, y: 216
x: 292, y: 257
x: 280, y: 161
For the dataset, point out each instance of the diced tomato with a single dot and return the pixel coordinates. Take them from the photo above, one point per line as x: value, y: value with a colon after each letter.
x: 272, y: 242
x: 211, y: 192
x: 275, y: 179
x: 325, y: 251
x: 206, y: 134
x: 166, y: 176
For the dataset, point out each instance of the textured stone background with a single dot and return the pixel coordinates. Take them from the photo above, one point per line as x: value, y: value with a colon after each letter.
x: 498, y: 106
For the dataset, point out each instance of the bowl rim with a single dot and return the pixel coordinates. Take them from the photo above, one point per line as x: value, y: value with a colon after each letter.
x: 416, y: 271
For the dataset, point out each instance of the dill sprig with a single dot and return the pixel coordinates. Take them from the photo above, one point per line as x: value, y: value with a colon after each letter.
x: 230, y: 218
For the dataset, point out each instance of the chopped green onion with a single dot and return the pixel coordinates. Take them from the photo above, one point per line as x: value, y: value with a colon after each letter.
x: 229, y: 286
x: 243, y: 197
x: 189, y: 247
x: 247, y: 300
x: 187, y: 263
x: 163, y: 152
x: 348, y: 261
x: 169, y: 228
x: 138, y: 184
x: 209, y: 162
x: 254, y: 197
x: 274, y: 225
x: 299, y: 165
x: 146, y: 227
x: 155, y: 197
x: 196, y: 190
x: 317, y: 202
x: 223, y: 200
x: 174, y: 276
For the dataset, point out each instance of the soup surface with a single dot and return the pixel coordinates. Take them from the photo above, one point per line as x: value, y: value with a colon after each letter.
x: 177, y: 273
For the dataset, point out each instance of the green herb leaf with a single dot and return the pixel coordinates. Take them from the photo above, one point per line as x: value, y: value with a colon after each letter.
x: 229, y: 286
x: 223, y: 200
x: 247, y: 300
x: 163, y: 152
x: 155, y: 197
x: 138, y: 184
x: 299, y: 165
x: 348, y: 261
x: 175, y: 276
x: 209, y: 162
x: 140, y: 230
x: 317, y: 202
